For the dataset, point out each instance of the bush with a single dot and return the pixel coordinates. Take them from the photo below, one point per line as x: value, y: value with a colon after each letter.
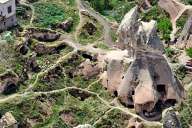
x: 48, y: 14
x: 189, y: 52
x: 169, y: 52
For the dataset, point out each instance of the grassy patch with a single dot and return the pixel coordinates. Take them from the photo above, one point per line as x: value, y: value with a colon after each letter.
x: 169, y: 52
x: 163, y: 23
x: 189, y: 52
x: 102, y: 45
x: 114, y: 119
x: 50, y: 13
x: 23, y: 14
x: 186, y: 112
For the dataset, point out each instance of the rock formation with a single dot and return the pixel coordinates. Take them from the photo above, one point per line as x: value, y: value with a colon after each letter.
x: 8, y: 121
x: 117, y: 61
x: 185, y: 39
x: 134, y: 123
x: 88, y: 69
x: 170, y: 120
x: 149, y: 72
x: 8, y: 82
x: 175, y: 9
x: 43, y: 35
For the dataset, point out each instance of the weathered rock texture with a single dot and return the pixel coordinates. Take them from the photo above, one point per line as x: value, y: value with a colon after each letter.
x: 88, y: 69
x: 175, y: 9
x: 43, y: 35
x: 185, y: 39
x: 134, y: 123
x: 170, y: 120
x: 116, y: 67
x: 8, y: 82
x: 148, y: 84
x: 8, y: 121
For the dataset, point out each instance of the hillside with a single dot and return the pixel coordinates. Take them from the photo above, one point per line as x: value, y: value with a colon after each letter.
x: 97, y: 64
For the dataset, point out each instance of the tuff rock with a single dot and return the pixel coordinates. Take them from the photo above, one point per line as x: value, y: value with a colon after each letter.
x: 149, y: 71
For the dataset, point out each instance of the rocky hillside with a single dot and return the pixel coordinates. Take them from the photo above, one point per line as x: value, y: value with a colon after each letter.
x: 97, y: 64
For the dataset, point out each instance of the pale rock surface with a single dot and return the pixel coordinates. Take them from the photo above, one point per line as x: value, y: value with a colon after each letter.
x: 8, y: 120
x: 149, y: 71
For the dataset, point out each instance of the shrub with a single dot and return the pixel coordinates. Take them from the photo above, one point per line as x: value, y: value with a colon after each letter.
x: 189, y: 52
x: 169, y: 52
x: 48, y: 14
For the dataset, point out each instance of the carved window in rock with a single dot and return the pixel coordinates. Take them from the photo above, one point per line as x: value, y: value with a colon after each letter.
x: 9, y: 9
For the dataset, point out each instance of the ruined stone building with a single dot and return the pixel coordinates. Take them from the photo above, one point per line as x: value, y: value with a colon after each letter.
x: 7, y: 14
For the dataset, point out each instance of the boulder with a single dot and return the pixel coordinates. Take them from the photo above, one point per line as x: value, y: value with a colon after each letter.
x: 8, y: 121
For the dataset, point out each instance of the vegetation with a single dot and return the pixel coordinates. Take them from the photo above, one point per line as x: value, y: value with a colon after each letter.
x: 49, y: 14
x: 189, y: 52
x: 186, y: 112
x: 113, y: 9
x: 169, y: 52
x: 46, y: 98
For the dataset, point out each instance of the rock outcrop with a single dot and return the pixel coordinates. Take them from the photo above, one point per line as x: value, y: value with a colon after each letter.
x: 117, y: 61
x: 8, y: 83
x: 88, y: 69
x: 185, y: 39
x: 43, y: 35
x: 171, y: 120
x: 8, y: 121
x: 175, y: 9
x: 148, y: 84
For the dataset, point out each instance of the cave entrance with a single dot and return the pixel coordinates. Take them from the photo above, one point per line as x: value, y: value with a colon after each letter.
x: 161, y: 89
